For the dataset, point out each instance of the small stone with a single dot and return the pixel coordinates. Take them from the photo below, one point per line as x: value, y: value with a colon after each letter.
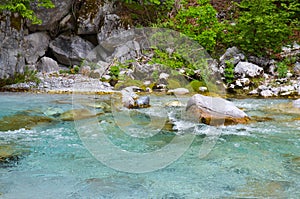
x: 203, y: 89
x: 297, y: 68
x: 178, y: 91
x: 147, y: 83
x: 164, y: 76
x: 285, y: 89
x: 85, y: 70
x: 275, y: 91
x: 149, y: 90
x: 266, y: 93
x: 262, y: 88
x: 106, y: 77
x: 143, y: 102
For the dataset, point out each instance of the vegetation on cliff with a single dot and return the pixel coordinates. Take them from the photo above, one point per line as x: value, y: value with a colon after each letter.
x: 257, y: 27
x: 25, y: 8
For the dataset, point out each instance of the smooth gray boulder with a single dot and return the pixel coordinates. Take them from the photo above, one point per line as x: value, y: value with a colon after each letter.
x: 246, y: 69
x: 214, y: 111
x: 47, y: 65
x: 35, y: 46
x: 70, y: 50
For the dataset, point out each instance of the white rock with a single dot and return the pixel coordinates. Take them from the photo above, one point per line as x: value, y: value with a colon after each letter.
x: 254, y: 92
x: 203, y: 89
x: 246, y: 69
x: 266, y: 93
x: 164, y: 76
x: 179, y: 91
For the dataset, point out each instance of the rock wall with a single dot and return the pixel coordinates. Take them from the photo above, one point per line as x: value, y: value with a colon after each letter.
x: 12, y: 58
x: 67, y: 34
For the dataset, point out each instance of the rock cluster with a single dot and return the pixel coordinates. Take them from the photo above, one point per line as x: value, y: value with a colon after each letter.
x: 67, y: 35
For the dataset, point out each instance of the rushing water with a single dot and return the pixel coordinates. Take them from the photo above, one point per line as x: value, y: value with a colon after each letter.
x: 257, y: 160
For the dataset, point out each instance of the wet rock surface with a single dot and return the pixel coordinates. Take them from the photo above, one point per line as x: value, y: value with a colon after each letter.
x: 214, y: 111
x: 18, y: 121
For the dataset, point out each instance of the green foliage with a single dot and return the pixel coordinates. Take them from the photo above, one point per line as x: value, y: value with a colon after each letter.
x: 27, y: 76
x: 282, y: 69
x: 172, y: 60
x: 75, y: 69
x: 114, y: 71
x: 23, y: 7
x: 156, y: 2
x: 229, y: 71
x: 174, y: 83
x: 195, y: 84
x: 262, y: 27
x: 197, y: 21
x: 284, y: 65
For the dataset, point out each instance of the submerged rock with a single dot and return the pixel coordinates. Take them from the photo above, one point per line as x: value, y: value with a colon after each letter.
x: 53, y: 112
x: 99, y: 105
x: 174, y: 104
x: 291, y: 108
x: 76, y: 114
x: 18, y: 121
x: 9, y: 153
x: 214, y: 111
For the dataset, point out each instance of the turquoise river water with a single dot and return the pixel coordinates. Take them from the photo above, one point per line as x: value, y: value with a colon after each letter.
x: 257, y: 160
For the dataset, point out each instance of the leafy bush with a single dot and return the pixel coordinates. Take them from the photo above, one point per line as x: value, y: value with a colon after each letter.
x: 282, y: 69
x: 197, y: 19
x: 23, y: 7
x: 229, y: 72
x: 262, y: 27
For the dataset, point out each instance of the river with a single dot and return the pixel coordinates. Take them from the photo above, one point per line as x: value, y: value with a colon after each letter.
x: 59, y: 159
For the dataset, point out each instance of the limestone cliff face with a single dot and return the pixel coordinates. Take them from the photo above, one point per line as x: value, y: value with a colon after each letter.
x: 24, y: 44
x: 11, y: 36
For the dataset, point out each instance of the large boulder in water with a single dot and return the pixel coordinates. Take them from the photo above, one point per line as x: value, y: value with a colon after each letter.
x: 214, y: 111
